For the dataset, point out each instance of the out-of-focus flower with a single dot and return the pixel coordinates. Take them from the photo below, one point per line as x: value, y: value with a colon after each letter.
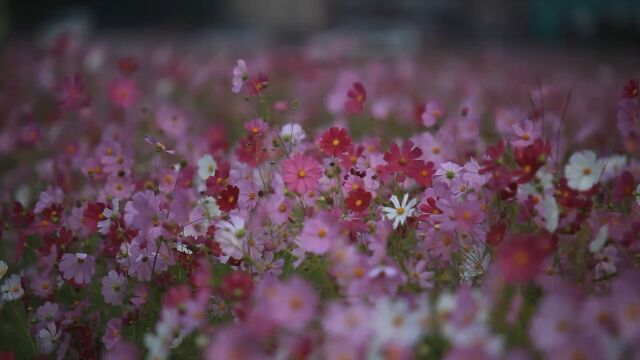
x: 318, y: 235
x: 400, y: 210
x: 123, y: 92
x: 11, y: 288
x: 240, y: 75
x: 112, y: 334
x: 432, y: 112
x: 231, y: 235
x: 206, y: 167
x: 3, y: 268
x: 356, y: 96
x: 71, y: 93
x: 519, y: 259
x: 583, y: 171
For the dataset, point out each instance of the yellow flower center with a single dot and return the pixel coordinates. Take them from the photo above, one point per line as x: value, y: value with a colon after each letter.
x: 358, y: 202
x: 322, y: 233
x: 586, y: 171
x: 302, y: 174
x: 400, y: 210
x: 335, y: 142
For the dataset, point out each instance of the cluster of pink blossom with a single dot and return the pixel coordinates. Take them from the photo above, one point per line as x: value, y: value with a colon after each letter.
x: 160, y: 200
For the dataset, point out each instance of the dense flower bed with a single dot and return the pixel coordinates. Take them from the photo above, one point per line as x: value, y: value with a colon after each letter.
x: 166, y: 200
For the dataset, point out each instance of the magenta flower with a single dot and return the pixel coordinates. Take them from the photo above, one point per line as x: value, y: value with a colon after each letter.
x: 71, y: 93
x: 123, y: 93
x: 113, y: 287
x: 301, y: 173
x: 292, y: 305
x: 256, y: 127
x: 78, y: 268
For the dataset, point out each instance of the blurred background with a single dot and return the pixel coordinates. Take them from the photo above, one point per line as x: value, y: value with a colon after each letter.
x: 403, y: 23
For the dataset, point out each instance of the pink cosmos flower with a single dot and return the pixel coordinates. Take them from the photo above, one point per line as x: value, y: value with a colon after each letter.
x: 78, y: 268
x: 292, y: 305
x: 301, y: 173
x: 525, y: 134
x: 71, y: 93
x: 432, y: 112
x: 113, y: 287
x: 112, y: 334
x: 123, y: 92
x: 240, y: 75
x: 256, y: 127
x: 318, y: 235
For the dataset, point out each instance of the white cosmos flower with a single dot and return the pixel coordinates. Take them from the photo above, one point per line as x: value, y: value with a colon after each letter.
x: 206, y: 167
x: 601, y: 238
x: 211, y: 207
x: 231, y: 236
x: 12, y: 289
x: 400, y: 211
x: 583, y: 171
x: 550, y: 213
x: 614, y: 166
x: 3, y: 268
x: 108, y: 214
x: 292, y: 133
x: 394, y: 321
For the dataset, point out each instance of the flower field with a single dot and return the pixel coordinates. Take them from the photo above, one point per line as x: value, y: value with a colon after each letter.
x: 164, y: 199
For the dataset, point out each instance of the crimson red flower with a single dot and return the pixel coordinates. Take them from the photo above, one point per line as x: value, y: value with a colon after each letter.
x: 623, y: 186
x: 237, y: 286
x: 219, y: 180
x: 251, y: 151
x: 356, y: 96
x: 258, y: 84
x: 631, y: 89
x: 128, y: 65
x: 228, y: 198
x: 335, y: 141
x: 358, y: 200
x: 496, y: 233
x: 92, y: 214
x: 519, y: 259
x: 493, y: 158
x: 530, y: 159
x: 423, y: 173
x: 403, y: 161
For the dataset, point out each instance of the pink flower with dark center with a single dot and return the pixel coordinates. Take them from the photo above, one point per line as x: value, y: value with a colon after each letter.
x: 301, y: 173
x: 77, y: 268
